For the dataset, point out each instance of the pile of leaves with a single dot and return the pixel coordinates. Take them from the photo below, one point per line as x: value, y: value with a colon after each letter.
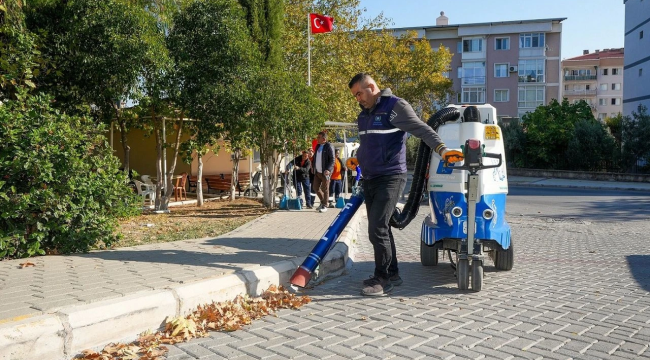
x: 222, y: 316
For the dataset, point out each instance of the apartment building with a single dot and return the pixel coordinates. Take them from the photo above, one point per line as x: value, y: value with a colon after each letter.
x: 512, y: 65
x: 596, y: 78
x: 637, y: 55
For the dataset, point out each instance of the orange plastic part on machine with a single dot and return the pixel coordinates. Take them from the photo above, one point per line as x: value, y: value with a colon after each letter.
x: 352, y: 163
x: 453, y: 156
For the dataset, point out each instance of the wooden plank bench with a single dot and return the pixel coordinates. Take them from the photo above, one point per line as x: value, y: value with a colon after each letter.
x: 221, y: 183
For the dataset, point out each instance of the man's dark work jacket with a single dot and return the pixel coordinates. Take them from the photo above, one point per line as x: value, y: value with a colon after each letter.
x: 382, y: 134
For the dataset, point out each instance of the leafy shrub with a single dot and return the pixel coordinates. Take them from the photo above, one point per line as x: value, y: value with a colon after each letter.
x: 514, y: 141
x: 412, y: 144
x: 60, y: 187
x: 635, y: 134
x: 590, y: 147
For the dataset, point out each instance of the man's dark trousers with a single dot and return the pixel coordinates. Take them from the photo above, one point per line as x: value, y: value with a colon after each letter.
x: 381, y: 195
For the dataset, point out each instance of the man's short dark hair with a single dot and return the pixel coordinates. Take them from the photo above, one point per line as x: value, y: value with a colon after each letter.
x: 323, y: 134
x: 359, y: 78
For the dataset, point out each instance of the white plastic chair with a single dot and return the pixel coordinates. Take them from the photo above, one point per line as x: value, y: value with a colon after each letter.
x: 145, y: 190
x: 147, y: 180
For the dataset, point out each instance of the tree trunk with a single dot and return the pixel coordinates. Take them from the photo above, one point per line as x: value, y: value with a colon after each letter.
x: 199, y: 181
x: 125, y: 147
x: 235, y: 172
x: 161, y: 201
x: 172, y: 168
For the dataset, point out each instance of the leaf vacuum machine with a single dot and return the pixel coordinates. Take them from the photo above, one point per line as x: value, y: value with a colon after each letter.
x: 470, y: 194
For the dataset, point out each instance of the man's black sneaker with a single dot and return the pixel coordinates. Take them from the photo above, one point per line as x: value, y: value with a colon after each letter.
x: 376, y: 287
x: 396, y: 280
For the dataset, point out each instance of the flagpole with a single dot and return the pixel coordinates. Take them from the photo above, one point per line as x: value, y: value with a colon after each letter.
x: 308, y: 50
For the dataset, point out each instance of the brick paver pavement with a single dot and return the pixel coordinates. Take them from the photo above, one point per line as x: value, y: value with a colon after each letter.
x: 579, y: 290
x: 57, y: 281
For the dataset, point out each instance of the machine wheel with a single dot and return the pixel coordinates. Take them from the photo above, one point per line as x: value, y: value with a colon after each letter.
x: 428, y: 255
x: 477, y: 275
x: 504, y: 259
x: 462, y: 274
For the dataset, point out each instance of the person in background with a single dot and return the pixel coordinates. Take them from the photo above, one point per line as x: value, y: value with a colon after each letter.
x: 336, y: 181
x: 312, y: 191
x: 302, y: 166
x: 323, y: 165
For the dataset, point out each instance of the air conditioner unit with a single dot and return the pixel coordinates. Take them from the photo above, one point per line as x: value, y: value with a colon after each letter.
x: 513, y: 68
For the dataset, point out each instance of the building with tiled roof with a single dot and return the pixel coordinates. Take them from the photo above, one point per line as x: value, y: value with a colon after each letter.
x: 512, y: 65
x: 596, y: 78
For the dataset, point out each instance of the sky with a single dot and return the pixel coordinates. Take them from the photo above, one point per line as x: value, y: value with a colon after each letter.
x: 590, y: 24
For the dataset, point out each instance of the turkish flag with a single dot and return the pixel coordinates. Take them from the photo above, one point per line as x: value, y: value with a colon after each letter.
x: 320, y: 23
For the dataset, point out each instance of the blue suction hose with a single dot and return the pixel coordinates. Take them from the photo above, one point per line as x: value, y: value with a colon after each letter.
x: 401, y: 218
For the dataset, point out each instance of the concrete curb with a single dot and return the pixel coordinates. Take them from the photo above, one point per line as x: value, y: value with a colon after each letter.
x: 65, y: 332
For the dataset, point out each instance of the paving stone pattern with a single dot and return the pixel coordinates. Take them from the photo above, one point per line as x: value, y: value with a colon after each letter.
x: 57, y: 281
x: 579, y: 290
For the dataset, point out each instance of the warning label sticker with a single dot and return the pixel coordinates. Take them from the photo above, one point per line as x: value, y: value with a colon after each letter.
x: 492, y: 133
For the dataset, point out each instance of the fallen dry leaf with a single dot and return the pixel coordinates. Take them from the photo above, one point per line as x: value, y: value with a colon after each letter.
x: 26, y: 264
x: 222, y: 316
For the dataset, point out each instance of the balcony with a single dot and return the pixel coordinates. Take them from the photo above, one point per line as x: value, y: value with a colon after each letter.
x: 580, y: 92
x: 579, y: 77
x: 474, y: 80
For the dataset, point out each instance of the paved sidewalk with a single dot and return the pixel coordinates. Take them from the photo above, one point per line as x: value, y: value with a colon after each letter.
x: 63, y: 302
x: 38, y: 302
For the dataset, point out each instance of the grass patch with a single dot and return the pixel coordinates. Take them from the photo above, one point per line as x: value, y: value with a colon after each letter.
x: 214, y: 218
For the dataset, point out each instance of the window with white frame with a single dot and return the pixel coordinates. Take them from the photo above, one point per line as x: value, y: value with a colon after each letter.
x: 531, y: 70
x: 605, y: 71
x: 501, y: 95
x: 531, y: 96
x: 459, y: 47
x: 502, y: 43
x: 602, y: 102
x: 473, y: 45
x: 603, y: 87
x: 500, y: 70
x: 602, y: 116
x: 474, y: 95
x: 474, y: 73
x: 616, y: 71
x: 616, y: 101
x: 531, y: 40
x: 616, y: 86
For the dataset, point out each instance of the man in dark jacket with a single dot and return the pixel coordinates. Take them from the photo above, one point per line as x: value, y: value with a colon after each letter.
x: 302, y: 167
x: 383, y: 123
x: 322, y: 166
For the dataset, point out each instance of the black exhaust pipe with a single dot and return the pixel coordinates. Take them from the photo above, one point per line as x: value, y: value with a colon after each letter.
x: 401, y: 218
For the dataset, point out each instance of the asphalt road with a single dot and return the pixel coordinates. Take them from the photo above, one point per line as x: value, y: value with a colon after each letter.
x: 584, y: 204
x: 580, y: 289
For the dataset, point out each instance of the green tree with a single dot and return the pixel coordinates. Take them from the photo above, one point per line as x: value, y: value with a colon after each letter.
x: 283, y: 118
x: 548, y: 131
x: 413, y: 68
x: 99, y: 48
x: 590, y: 146
x: 214, y: 57
x: 20, y: 59
x: 514, y: 141
x: 635, y: 135
x: 61, y: 189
